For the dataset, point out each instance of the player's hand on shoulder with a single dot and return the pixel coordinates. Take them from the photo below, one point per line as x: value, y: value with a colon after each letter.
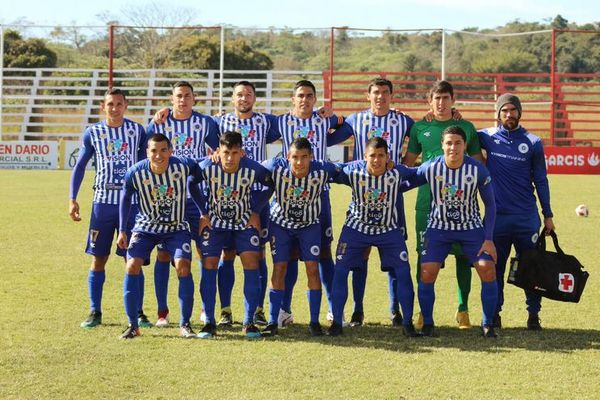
x: 456, y: 115
x: 122, y: 241
x: 74, y: 210
x: 161, y: 116
x: 325, y: 112
x: 429, y: 116
x: 213, y: 155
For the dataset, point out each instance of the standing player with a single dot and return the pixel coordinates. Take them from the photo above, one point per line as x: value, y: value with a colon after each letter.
x: 304, y: 122
x: 426, y: 139
x: 116, y: 144
x: 295, y: 210
x: 190, y: 134
x: 231, y: 219
x: 257, y: 129
x: 515, y: 159
x: 160, y: 182
x: 454, y: 180
x: 392, y: 126
x: 373, y: 219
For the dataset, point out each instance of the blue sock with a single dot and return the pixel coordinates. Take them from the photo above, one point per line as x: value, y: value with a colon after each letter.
x: 161, y: 283
x: 264, y: 281
x: 339, y: 294
x: 489, y: 299
x: 393, y: 291
x: 326, y: 268
x: 314, y: 304
x: 359, y: 284
x: 208, y: 291
x: 186, y: 298
x: 131, y: 298
x: 275, y: 296
x: 426, y: 300
x: 291, y: 276
x: 405, y: 293
x: 95, y: 284
x: 251, y: 291
x: 226, y: 279
x: 142, y: 284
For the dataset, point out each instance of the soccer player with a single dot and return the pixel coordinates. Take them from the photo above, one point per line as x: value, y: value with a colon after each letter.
x: 426, y: 139
x: 160, y: 182
x: 515, y: 159
x: 116, y: 144
x: 257, y: 129
x: 373, y: 219
x: 392, y: 126
x: 295, y: 223
x: 454, y: 180
x: 191, y: 134
x: 305, y: 122
x: 231, y: 219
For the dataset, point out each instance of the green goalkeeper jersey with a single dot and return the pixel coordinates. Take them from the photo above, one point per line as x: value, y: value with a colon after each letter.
x: 425, y: 139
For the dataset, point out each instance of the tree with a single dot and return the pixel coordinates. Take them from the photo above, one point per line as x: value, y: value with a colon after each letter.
x: 26, y: 53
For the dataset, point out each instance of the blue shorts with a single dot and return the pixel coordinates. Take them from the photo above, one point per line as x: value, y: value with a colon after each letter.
x: 325, y: 219
x: 104, y: 222
x: 307, y: 239
x: 437, y: 244
x: 524, y: 228
x: 177, y: 244
x: 192, y: 216
x: 215, y: 240
x: 265, y: 219
x: 352, y: 245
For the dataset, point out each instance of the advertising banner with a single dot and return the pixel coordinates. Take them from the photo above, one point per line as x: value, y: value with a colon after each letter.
x: 572, y: 160
x: 28, y: 155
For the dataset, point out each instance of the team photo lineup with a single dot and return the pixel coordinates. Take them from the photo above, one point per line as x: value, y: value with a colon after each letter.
x: 193, y: 180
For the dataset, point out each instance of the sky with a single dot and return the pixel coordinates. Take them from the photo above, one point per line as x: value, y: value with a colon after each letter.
x: 376, y: 14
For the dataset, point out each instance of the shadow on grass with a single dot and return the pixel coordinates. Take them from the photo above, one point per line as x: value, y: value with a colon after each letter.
x: 390, y: 338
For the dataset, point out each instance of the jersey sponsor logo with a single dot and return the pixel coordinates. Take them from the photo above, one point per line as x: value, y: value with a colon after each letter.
x: 247, y: 132
x: 119, y: 171
x: 117, y: 146
x: 378, y: 132
x: 184, y: 152
x: 227, y: 193
x: 182, y: 140
x: 304, y: 133
x: 451, y: 195
x: 593, y: 160
x: 163, y: 197
x: 314, y: 250
x: 296, y: 193
x: 453, y: 215
x: 523, y: 148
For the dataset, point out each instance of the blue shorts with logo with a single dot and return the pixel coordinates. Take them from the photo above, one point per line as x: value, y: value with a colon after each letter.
x: 177, y: 244
x: 192, y: 216
x: 265, y: 219
x: 352, y: 245
x: 215, y: 240
x: 438, y: 242
x: 104, y: 222
x: 307, y: 239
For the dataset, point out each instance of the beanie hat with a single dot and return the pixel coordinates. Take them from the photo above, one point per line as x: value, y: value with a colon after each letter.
x: 505, y: 99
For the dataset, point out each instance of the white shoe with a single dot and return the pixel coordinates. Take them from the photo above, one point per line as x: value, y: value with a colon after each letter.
x: 284, y: 319
x: 162, y: 323
x: 345, y: 324
x: 203, y: 317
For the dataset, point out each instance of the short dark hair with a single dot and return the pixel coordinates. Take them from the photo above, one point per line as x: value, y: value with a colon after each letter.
x: 455, y: 130
x: 377, y: 143
x: 115, y: 92
x: 182, y: 84
x: 305, y: 83
x: 244, y: 83
x: 302, y: 143
x: 380, y: 82
x: 159, y: 137
x: 231, y: 139
x: 441, y: 87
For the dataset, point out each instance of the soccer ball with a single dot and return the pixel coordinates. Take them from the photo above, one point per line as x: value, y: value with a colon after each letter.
x: 582, y: 210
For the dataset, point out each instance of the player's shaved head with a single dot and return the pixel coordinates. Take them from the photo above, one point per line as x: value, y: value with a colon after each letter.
x: 380, y: 82
x: 158, y: 138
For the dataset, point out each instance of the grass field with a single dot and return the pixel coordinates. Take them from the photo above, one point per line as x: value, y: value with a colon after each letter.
x: 44, y: 353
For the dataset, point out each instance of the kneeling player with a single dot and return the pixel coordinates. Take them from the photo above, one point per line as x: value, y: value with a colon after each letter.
x: 160, y: 183
x: 231, y: 220
x: 373, y: 220
x: 454, y: 180
x: 295, y: 223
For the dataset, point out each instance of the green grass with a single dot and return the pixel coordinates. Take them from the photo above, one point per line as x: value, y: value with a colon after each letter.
x: 44, y: 353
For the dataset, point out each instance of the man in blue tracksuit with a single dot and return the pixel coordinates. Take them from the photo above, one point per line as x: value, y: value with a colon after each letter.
x: 515, y: 159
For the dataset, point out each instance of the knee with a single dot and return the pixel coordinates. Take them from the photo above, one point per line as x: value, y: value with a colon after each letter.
x: 98, y: 263
x: 210, y: 262
x: 488, y: 273
x: 183, y: 268
x: 428, y: 275
x: 163, y: 256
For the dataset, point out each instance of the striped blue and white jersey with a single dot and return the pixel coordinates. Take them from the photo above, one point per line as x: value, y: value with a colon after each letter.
x: 229, y: 200
x: 454, y: 203
x: 297, y: 201
x: 190, y: 136
x: 162, y: 197
x: 256, y: 132
x: 114, y: 150
x: 394, y: 127
x: 376, y: 200
x: 315, y: 129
